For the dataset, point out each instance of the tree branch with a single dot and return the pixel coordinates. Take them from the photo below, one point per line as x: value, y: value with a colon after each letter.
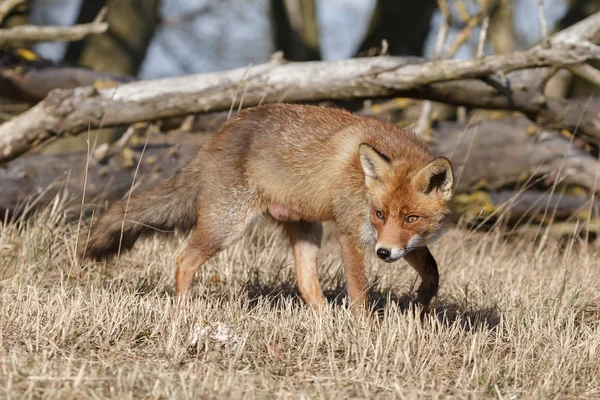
x: 31, y: 33
x: 6, y: 6
x: 587, y: 72
x: 543, y: 24
x: 71, y: 111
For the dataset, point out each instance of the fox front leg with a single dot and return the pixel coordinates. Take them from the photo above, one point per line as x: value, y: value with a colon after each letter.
x: 424, y: 263
x: 353, y: 255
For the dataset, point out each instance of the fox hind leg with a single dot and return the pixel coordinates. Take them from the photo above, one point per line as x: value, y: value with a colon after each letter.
x: 190, y: 260
x: 213, y: 232
x: 305, y: 238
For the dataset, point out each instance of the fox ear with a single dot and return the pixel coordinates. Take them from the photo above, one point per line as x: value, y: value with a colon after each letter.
x: 375, y: 165
x: 436, y: 179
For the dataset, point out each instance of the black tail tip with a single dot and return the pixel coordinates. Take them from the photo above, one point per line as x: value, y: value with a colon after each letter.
x: 97, y: 246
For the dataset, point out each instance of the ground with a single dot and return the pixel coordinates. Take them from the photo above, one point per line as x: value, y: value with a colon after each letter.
x: 515, y: 318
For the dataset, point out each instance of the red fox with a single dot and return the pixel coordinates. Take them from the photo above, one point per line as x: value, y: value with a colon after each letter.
x: 300, y: 165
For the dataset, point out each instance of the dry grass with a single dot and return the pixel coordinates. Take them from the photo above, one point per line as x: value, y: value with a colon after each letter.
x: 513, y: 320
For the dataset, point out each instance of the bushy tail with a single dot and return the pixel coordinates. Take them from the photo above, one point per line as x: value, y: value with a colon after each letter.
x: 168, y: 206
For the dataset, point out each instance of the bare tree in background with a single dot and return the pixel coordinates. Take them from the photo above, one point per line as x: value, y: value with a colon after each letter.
x: 295, y: 29
x: 122, y: 48
x: 404, y: 24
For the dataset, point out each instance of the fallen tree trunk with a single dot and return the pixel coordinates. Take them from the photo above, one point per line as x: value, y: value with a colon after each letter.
x: 524, y: 206
x: 534, y: 203
x: 526, y: 212
x: 496, y: 156
x: 500, y: 154
x: 32, y: 182
x: 71, y: 111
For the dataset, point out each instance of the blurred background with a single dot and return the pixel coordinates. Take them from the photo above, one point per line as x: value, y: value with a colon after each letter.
x: 157, y: 38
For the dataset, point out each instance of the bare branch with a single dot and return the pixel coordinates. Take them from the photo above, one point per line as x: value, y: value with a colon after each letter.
x: 6, y: 6
x: 441, y: 39
x: 465, y: 33
x: 423, y: 125
x: 30, y: 33
x: 543, y: 25
x: 587, y: 72
x: 485, y: 25
x: 587, y: 30
x: 460, y: 39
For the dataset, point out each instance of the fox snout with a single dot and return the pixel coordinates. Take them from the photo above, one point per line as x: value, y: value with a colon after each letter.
x: 390, y: 254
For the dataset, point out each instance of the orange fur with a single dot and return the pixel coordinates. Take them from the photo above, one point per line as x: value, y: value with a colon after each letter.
x: 301, y: 165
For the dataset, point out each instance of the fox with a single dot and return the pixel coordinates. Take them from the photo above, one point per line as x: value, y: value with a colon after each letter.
x: 301, y: 166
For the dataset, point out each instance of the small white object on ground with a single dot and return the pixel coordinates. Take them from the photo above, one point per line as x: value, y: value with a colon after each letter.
x: 220, y: 333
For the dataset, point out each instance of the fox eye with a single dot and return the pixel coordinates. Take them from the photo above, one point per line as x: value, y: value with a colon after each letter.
x: 410, y: 219
x: 380, y: 215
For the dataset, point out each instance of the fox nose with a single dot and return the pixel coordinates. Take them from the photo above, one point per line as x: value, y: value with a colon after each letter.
x: 383, y: 253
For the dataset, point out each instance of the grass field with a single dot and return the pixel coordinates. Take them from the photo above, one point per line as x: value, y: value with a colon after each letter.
x: 515, y: 319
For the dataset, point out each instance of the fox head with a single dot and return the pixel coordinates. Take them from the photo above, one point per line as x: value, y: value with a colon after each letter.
x: 407, y: 205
